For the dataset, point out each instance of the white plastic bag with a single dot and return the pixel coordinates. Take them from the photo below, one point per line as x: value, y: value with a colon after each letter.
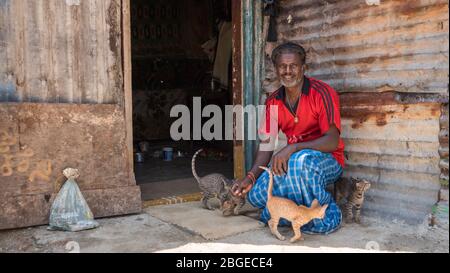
x: 69, y: 211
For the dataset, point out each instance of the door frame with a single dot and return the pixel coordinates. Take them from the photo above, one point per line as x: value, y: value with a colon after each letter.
x: 247, y: 75
x: 252, y: 68
x: 237, y: 83
x: 127, y: 85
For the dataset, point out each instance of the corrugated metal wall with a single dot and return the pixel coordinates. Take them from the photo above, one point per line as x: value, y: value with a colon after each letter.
x: 372, y: 55
x: 66, y: 51
x: 354, y: 46
x: 443, y: 140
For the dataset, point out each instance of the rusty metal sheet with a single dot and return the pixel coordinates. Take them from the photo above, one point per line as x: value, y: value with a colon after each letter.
x: 394, y: 145
x: 397, y: 45
x: 443, y: 141
x: 38, y: 141
x: 61, y: 51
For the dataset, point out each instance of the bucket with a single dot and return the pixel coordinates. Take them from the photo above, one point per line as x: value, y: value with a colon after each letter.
x: 139, y: 157
x: 167, y: 154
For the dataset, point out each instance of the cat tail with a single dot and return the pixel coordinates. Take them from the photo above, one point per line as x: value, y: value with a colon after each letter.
x: 269, y: 189
x: 193, y: 166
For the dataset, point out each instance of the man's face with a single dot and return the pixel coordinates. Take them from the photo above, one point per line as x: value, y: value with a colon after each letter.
x: 289, y: 69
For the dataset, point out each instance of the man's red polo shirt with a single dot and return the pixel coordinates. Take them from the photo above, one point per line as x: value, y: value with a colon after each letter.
x: 317, y: 110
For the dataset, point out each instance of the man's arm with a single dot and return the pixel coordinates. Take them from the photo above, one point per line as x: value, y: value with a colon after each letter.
x: 262, y: 159
x: 327, y: 143
x: 241, y: 187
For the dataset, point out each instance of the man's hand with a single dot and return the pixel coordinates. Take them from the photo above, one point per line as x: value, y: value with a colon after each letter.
x: 280, y: 160
x: 241, y: 187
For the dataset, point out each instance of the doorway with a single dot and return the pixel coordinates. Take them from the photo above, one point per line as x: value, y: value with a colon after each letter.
x: 179, y: 50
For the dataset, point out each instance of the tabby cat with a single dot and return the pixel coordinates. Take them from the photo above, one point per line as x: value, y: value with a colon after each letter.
x: 354, y: 194
x: 213, y: 185
x: 298, y: 215
x: 232, y: 204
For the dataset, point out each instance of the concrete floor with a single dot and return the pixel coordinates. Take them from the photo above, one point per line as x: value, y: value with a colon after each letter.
x: 161, y: 179
x: 147, y: 233
x: 157, y: 170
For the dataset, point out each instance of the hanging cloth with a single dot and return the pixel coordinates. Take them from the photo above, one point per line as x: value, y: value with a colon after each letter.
x: 223, y: 55
x: 271, y: 10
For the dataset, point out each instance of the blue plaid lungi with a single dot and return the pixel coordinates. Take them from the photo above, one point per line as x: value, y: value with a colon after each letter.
x: 309, y: 173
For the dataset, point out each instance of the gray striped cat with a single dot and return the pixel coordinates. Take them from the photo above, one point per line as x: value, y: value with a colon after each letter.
x: 213, y: 185
x: 354, y: 194
x: 232, y: 204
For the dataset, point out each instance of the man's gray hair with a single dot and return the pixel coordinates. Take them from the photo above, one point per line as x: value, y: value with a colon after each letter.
x: 289, y: 47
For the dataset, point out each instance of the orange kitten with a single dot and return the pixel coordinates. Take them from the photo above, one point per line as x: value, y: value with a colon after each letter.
x: 298, y: 215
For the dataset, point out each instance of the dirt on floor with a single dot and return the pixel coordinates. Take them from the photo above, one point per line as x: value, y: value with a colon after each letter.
x: 146, y: 233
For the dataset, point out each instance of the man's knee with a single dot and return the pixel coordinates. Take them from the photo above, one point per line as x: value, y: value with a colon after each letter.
x: 252, y: 198
x: 303, y: 159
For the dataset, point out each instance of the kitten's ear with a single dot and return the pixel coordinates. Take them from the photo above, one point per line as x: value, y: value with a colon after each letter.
x: 353, y: 182
x: 227, y: 183
x: 227, y: 186
x: 315, y: 203
x: 323, y: 209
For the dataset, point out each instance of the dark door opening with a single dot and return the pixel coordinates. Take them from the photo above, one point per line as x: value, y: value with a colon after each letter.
x: 180, y: 50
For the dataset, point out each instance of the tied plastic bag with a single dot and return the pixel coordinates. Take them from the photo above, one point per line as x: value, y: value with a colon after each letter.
x: 69, y: 211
